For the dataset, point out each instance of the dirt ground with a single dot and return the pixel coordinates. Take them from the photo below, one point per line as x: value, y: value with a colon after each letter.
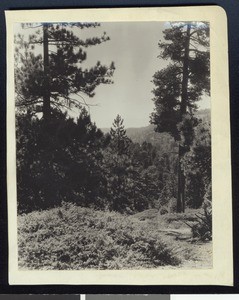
x: 192, y: 252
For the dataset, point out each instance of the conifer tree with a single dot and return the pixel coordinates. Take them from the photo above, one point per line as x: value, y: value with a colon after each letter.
x: 56, y: 77
x: 180, y: 85
x: 119, y: 140
x: 118, y: 161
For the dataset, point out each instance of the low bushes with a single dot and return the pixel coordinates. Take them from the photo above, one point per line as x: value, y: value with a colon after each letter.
x: 75, y: 238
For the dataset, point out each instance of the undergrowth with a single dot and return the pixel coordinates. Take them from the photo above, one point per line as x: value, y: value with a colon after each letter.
x: 75, y: 238
x: 189, y: 215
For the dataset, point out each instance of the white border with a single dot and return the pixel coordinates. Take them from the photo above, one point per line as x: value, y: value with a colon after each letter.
x: 222, y: 271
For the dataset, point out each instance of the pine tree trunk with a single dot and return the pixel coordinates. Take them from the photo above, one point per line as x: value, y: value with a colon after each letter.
x: 46, y: 95
x: 184, y: 98
x: 179, y: 199
x: 181, y: 182
x: 183, y: 110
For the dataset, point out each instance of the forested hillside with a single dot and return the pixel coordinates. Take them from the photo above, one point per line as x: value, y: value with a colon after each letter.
x: 149, y: 135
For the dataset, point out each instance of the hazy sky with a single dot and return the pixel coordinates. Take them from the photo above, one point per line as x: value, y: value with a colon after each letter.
x: 133, y: 47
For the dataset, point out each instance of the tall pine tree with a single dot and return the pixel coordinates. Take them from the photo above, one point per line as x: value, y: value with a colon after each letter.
x: 117, y: 164
x: 180, y: 85
x: 56, y: 77
x: 119, y: 140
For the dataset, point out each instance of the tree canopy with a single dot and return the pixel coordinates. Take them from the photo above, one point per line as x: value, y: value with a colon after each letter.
x: 56, y: 77
x: 180, y: 85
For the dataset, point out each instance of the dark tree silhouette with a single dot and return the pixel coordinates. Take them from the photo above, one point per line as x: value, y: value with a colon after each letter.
x: 119, y: 140
x: 180, y: 85
x: 117, y: 162
x: 197, y: 165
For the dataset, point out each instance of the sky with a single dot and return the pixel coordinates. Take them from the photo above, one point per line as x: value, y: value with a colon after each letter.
x: 133, y: 47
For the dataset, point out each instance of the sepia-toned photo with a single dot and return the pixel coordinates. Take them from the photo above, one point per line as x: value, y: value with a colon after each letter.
x: 113, y: 145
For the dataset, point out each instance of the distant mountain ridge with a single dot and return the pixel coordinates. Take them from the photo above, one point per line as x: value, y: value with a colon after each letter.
x: 147, y: 133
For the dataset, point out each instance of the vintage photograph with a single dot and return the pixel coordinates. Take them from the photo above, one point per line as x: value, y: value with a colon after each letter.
x: 113, y: 145
x: 116, y: 147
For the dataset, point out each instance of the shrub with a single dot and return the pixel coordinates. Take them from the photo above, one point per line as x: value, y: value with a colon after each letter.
x: 172, y: 206
x: 163, y: 210
x: 203, y: 228
x: 71, y: 237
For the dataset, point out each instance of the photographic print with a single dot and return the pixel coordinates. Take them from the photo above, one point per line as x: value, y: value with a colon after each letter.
x: 113, y: 145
